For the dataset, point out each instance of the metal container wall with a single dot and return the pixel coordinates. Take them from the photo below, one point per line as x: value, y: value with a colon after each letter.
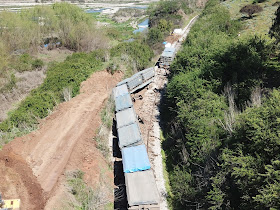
x: 148, y: 73
x: 126, y: 117
x: 135, y: 81
x: 123, y: 102
x: 120, y: 90
x: 141, y: 188
x: 123, y: 82
x: 129, y: 135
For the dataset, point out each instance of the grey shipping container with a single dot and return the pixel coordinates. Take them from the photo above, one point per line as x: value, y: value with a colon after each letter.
x: 124, y: 82
x: 120, y: 90
x: 129, y: 135
x: 135, y: 81
x: 141, y: 188
x: 123, y: 102
x: 148, y: 73
x: 126, y: 117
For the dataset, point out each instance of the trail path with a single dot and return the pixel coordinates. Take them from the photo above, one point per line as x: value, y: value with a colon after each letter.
x: 64, y: 140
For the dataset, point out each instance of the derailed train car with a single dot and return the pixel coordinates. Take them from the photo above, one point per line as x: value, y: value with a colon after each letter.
x: 141, y: 189
x: 139, y: 80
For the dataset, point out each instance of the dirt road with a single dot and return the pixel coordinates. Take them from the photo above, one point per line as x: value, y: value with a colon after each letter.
x: 32, y: 166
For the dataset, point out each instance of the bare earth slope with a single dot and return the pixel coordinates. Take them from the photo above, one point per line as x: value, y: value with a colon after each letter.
x: 64, y: 140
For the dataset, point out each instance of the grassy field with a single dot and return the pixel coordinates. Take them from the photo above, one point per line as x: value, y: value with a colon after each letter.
x: 260, y: 23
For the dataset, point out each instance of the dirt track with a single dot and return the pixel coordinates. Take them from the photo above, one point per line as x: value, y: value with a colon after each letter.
x: 63, y: 142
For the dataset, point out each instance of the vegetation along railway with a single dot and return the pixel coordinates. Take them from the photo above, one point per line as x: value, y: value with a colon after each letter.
x: 141, y: 188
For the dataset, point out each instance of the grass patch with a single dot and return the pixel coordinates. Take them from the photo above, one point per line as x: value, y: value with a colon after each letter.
x: 260, y: 23
x: 105, y: 128
x: 165, y: 173
x: 87, y: 198
x: 118, y: 31
x: 68, y: 74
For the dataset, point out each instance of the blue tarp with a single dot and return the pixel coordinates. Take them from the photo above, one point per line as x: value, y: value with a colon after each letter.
x: 135, y: 159
x: 123, y: 102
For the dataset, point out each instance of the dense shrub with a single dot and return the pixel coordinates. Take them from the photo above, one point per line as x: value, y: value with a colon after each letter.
x: 133, y: 53
x: 70, y: 73
x: 25, y: 62
x: 68, y: 23
x: 222, y: 155
x: 251, y: 9
x: 154, y: 36
x: 275, y: 29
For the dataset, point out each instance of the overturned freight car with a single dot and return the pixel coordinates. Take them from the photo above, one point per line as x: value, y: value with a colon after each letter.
x: 139, y: 80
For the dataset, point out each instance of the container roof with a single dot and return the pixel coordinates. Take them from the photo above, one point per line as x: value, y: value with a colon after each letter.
x: 123, y: 102
x: 135, y: 159
x: 126, y: 117
x: 141, y: 188
x: 129, y: 135
x: 120, y: 90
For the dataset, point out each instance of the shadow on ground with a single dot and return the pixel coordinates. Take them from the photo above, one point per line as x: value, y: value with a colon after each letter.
x: 120, y: 199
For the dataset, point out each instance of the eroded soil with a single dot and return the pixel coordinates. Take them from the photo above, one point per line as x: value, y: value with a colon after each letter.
x: 33, y: 167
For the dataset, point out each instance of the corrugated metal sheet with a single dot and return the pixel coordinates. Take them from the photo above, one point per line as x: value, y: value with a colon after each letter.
x: 123, y: 102
x: 135, y: 81
x: 123, y: 82
x: 120, y: 90
x: 126, y: 117
x: 148, y: 73
x: 129, y: 135
x: 141, y: 188
x: 135, y: 159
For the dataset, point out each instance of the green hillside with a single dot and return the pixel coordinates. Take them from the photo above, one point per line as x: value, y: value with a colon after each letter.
x: 221, y: 112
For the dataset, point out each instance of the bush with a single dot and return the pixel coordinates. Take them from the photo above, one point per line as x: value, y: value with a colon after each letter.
x: 25, y: 62
x: 133, y: 53
x: 251, y: 9
x: 154, y: 36
x: 70, y: 73
x: 37, y: 64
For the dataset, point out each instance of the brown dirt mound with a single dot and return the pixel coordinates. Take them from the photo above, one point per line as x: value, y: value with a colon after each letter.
x: 63, y: 142
x: 18, y: 181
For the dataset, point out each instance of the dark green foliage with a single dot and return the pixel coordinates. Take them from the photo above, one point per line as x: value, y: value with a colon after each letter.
x: 275, y: 29
x: 251, y: 9
x: 164, y: 16
x: 258, y: 1
x: 25, y: 62
x: 163, y: 10
x: 154, y: 36
x: 137, y: 52
x: 70, y: 73
x: 211, y: 166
